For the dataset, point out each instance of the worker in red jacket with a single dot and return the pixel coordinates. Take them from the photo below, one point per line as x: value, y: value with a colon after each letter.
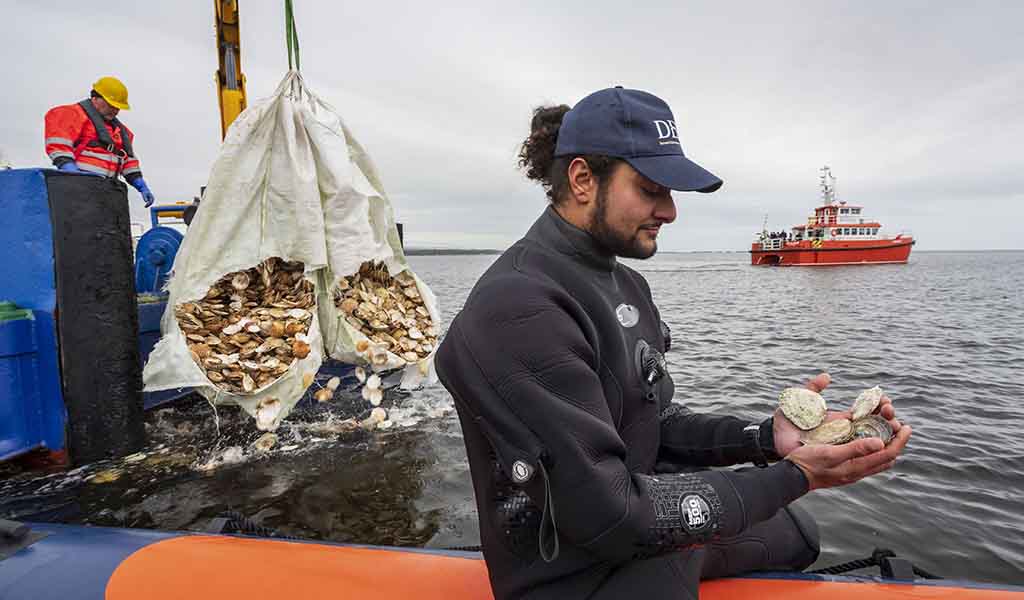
x: 87, y: 137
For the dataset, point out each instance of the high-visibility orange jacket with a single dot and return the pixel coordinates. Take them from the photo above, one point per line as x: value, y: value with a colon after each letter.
x: 71, y: 134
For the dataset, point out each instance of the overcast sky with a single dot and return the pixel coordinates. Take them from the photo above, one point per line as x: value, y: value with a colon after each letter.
x: 918, y: 107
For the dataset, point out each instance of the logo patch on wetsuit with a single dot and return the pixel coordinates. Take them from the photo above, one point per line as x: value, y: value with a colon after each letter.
x: 695, y: 512
x: 627, y: 314
x: 521, y: 472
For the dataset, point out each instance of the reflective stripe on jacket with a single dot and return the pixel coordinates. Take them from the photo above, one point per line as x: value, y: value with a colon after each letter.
x: 71, y: 135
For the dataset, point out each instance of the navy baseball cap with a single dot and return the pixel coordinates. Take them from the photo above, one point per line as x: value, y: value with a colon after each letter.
x: 638, y: 128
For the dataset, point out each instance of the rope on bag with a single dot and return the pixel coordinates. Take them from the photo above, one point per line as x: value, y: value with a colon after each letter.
x: 291, y: 37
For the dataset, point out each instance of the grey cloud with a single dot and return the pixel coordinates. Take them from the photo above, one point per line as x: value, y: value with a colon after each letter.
x: 917, y: 106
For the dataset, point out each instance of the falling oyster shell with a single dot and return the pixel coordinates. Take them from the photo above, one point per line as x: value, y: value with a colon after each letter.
x: 267, y: 412
x: 373, y: 381
x: 837, y: 431
x: 376, y: 396
x: 866, y: 403
x: 360, y: 374
x: 362, y: 346
x: 333, y: 383
x: 323, y: 395
x: 265, y: 442
x: 804, y: 408
x: 366, y: 392
x: 378, y: 415
x: 379, y: 359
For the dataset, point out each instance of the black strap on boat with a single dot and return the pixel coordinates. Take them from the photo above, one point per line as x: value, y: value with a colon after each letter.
x: 464, y: 548
x: 231, y: 521
x: 890, y: 566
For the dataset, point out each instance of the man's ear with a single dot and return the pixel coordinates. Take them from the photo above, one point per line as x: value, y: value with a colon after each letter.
x: 582, y: 183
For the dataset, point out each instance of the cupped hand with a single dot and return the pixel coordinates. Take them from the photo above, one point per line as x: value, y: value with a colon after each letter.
x: 787, y: 435
x: 831, y: 466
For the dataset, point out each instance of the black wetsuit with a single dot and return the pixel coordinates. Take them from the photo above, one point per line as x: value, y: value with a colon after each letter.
x: 566, y: 407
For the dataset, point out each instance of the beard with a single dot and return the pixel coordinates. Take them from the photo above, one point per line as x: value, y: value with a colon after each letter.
x: 618, y: 244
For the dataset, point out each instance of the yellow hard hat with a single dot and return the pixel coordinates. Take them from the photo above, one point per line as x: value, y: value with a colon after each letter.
x: 113, y: 91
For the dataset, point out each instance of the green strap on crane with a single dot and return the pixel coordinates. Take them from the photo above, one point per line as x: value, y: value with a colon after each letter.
x: 291, y: 36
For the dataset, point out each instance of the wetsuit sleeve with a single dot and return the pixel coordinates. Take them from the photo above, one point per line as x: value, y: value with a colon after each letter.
x: 709, y: 440
x: 528, y: 359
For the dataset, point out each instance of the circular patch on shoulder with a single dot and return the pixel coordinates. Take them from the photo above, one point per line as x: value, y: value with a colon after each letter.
x: 627, y: 314
x: 695, y: 513
x: 521, y: 472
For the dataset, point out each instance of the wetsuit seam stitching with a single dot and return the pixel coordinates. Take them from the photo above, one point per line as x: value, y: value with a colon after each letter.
x: 739, y: 499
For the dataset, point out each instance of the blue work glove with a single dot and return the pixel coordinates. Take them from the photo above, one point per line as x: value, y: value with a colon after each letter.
x: 71, y: 167
x: 147, y: 196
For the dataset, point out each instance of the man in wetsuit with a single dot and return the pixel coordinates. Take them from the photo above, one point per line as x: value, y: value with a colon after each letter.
x: 590, y: 481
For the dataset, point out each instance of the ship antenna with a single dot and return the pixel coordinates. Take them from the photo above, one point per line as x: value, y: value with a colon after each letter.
x: 828, y: 186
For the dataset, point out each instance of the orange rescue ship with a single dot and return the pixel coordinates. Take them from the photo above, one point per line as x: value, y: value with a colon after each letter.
x: 837, y: 234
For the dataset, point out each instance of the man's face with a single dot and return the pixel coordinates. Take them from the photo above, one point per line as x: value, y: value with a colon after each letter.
x: 103, y: 107
x: 629, y: 211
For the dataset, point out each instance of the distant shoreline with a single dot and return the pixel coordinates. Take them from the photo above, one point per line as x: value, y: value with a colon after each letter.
x: 484, y: 251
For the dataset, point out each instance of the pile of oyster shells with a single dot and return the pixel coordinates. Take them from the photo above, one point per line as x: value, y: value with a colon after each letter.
x: 387, y: 310
x: 807, y: 410
x: 251, y: 325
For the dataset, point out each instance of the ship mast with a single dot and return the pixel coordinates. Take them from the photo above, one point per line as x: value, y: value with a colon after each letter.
x: 828, y: 186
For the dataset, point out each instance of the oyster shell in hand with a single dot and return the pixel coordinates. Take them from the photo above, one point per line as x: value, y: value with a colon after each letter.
x: 804, y: 408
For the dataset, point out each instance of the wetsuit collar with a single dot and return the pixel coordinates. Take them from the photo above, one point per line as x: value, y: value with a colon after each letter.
x: 554, y: 232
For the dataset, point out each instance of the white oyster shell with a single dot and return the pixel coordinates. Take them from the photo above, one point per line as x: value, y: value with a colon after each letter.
x: 804, y: 408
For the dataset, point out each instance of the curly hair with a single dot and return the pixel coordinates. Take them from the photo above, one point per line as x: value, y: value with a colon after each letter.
x: 537, y: 154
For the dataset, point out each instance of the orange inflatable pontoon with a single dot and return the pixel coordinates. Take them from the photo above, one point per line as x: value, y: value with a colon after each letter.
x: 125, y: 564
